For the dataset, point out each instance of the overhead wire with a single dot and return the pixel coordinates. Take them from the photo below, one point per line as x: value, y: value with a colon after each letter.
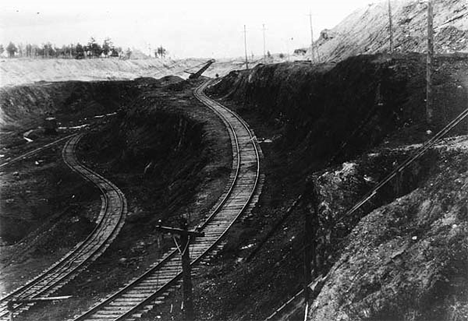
x: 428, y: 144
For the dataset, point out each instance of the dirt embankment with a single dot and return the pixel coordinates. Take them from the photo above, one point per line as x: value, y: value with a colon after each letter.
x: 345, y: 127
x: 26, y: 107
x: 25, y: 71
x: 14, y: 72
x: 365, y: 31
x: 341, y: 110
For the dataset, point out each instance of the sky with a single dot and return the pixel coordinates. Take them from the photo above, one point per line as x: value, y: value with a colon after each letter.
x: 202, y: 28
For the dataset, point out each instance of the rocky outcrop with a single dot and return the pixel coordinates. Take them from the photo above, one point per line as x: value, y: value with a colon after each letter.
x: 406, y: 260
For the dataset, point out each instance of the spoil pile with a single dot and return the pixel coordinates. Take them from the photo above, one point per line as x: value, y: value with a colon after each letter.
x: 365, y: 31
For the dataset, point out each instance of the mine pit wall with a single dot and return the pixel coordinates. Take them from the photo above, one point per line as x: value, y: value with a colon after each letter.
x: 26, y: 106
x: 356, y: 103
x: 164, y: 149
x: 330, y: 114
x: 324, y: 105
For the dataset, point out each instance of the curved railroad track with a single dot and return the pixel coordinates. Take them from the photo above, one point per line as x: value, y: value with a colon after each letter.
x: 241, y: 194
x: 108, y: 224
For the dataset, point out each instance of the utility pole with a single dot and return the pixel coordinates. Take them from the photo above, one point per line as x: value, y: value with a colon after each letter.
x: 312, y: 57
x: 264, y: 46
x: 307, y: 260
x: 184, y: 236
x: 310, y: 216
x: 430, y: 58
x: 245, y: 46
x: 390, y: 26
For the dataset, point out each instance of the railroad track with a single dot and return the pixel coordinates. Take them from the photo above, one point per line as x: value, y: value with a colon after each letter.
x: 35, y: 151
x: 241, y: 194
x: 109, y: 222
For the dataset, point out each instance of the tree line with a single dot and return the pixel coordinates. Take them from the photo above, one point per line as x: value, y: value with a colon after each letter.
x: 72, y: 51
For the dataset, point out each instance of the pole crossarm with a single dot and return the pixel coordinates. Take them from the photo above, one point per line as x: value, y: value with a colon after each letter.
x: 179, y: 231
x: 185, y: 235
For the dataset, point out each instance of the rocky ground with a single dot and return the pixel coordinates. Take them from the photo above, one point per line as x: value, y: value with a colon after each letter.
x: 340, y: 128
x: 329, y: 134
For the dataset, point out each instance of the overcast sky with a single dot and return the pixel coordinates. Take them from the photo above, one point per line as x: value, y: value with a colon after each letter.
x: 185, y: 28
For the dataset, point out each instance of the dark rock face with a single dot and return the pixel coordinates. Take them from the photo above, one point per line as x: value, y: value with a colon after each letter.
x: 406, y: 260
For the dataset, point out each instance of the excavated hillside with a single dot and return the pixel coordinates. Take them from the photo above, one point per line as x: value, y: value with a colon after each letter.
x: 23, y: 71
x: 366, y: 30
x: 329, y: 134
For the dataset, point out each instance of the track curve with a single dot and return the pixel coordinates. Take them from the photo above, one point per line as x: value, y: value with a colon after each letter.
x: 241, y: 194
x: 109, y: 222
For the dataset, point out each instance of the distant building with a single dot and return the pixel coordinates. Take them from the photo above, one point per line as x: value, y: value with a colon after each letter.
x: 300, y: 51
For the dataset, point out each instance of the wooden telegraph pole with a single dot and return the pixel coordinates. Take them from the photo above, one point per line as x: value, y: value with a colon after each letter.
x: 184, y: 235
x: 430, y: 58
x: 310, y: 255
x: 312, y: 56
x: 245, y: 46
x: 264, y: 45
x: 307, y: 260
